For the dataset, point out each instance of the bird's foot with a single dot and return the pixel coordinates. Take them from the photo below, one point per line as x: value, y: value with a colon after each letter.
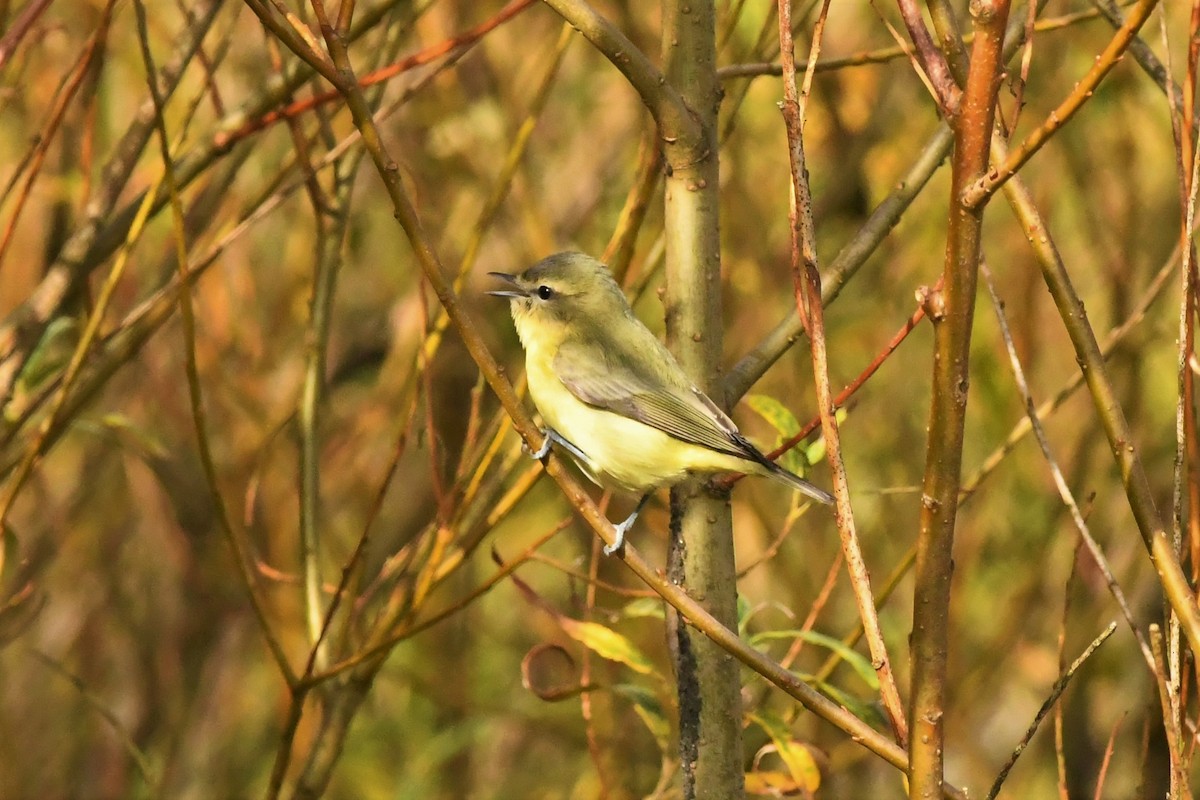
x: 541, y: 451
x: 619, y: 542
x: 623, y: 527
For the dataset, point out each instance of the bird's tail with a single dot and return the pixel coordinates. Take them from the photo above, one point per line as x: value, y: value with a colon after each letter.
x: 770, y: 469
x: 782, y: 475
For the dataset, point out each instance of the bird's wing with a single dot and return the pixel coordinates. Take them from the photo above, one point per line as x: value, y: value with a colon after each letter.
x: 613, y: 381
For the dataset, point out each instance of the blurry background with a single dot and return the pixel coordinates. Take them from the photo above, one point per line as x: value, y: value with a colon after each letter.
x: 131, y: 662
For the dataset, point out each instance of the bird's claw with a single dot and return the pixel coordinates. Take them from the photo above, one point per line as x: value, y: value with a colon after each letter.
x: 618, y: 544
x: 623, y: 527
x: 541, y: 451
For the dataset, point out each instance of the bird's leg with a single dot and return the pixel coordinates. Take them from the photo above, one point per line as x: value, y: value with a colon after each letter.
x: 554, y: 437
x: 624, y: 527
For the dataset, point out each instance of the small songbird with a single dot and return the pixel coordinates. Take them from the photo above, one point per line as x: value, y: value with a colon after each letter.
x: 610, y: 392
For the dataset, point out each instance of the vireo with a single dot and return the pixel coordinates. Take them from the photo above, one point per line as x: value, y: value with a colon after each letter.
x: 610, y: 392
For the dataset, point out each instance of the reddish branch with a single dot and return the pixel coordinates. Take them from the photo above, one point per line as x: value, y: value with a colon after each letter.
x: 850, y: 389
x: 931, y: 59
x: 985, y: 186
x: 32, y: 167
x: 21, y: 26
x: 418, y: 59
x: 908, y: 327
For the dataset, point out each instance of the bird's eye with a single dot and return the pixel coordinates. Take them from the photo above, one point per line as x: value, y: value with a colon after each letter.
x: 545, y: 292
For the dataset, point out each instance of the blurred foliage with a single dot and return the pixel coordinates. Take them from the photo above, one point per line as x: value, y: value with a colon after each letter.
x: 132, y: 665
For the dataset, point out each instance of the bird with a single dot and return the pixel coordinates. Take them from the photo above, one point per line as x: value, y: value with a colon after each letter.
x: 612, y: 395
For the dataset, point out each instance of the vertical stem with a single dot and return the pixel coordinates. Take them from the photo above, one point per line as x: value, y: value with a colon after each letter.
x: 1169, y: 700
x: 952, y: 312
x: 701, y: 550
x: 339, y: 713
x: 312, y: 399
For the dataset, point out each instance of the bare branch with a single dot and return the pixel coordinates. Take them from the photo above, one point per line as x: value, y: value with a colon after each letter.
x: 943, y: 455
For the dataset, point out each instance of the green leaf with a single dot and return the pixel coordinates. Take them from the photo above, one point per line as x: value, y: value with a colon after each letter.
x: 607, y: 643
x: 747, y: 613
x: 815, y: 452
x: 785, y: 424
x: 774, y: 727
x: 141, y: 441
x: 856, y: 660
x: 744, y: 612
x: 642, y: 607
x: 52, y: 353
x: 869, y: 712
x: 781, y: 418
x: 646, y: 705
x: 10, y: 553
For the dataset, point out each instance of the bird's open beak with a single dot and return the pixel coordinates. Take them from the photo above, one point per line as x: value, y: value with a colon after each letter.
x: 511, y: 280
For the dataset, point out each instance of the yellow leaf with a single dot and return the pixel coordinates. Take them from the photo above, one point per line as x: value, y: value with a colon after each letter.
x: 607, y: 643
x: 793, y: 753
x: 771, y: 784
x: 800, y: 763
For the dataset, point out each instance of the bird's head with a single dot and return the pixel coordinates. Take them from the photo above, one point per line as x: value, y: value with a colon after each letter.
x: 560, y: 293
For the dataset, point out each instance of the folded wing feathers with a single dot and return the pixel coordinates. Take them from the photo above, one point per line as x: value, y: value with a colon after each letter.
x: 682, y: 411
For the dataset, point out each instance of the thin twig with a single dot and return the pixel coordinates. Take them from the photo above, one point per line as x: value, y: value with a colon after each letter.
x: 333, y: 215
x: 931, y: 58
x: 1059, y: 687
x: 24, y: 327
x: 795, y: 513
x: 807, y: 282
x: 1145, y: 57
x: 37, y: 445
x: 1185, y: 480
x: 1108, y: 58
x: 1114, y: 338
x: 1104, y: 396
x: 427, y: 55
x: 618, y: 253
x: 1021, y: 429
x: 884, y: 55
x: 31, y: 164
x: 1060, y: 750
x: 1022, y: 80
x: 585, y: 674
x: 123, y: 735
x: 500, y: 190
x: 1108, y: 753
x: 199, y: 419
x: 883, y: 218
x: 818, y: 605
x: 675, y: 120
x: 845, y: 264
x: 1060, y: 482
x: 20, y: 26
